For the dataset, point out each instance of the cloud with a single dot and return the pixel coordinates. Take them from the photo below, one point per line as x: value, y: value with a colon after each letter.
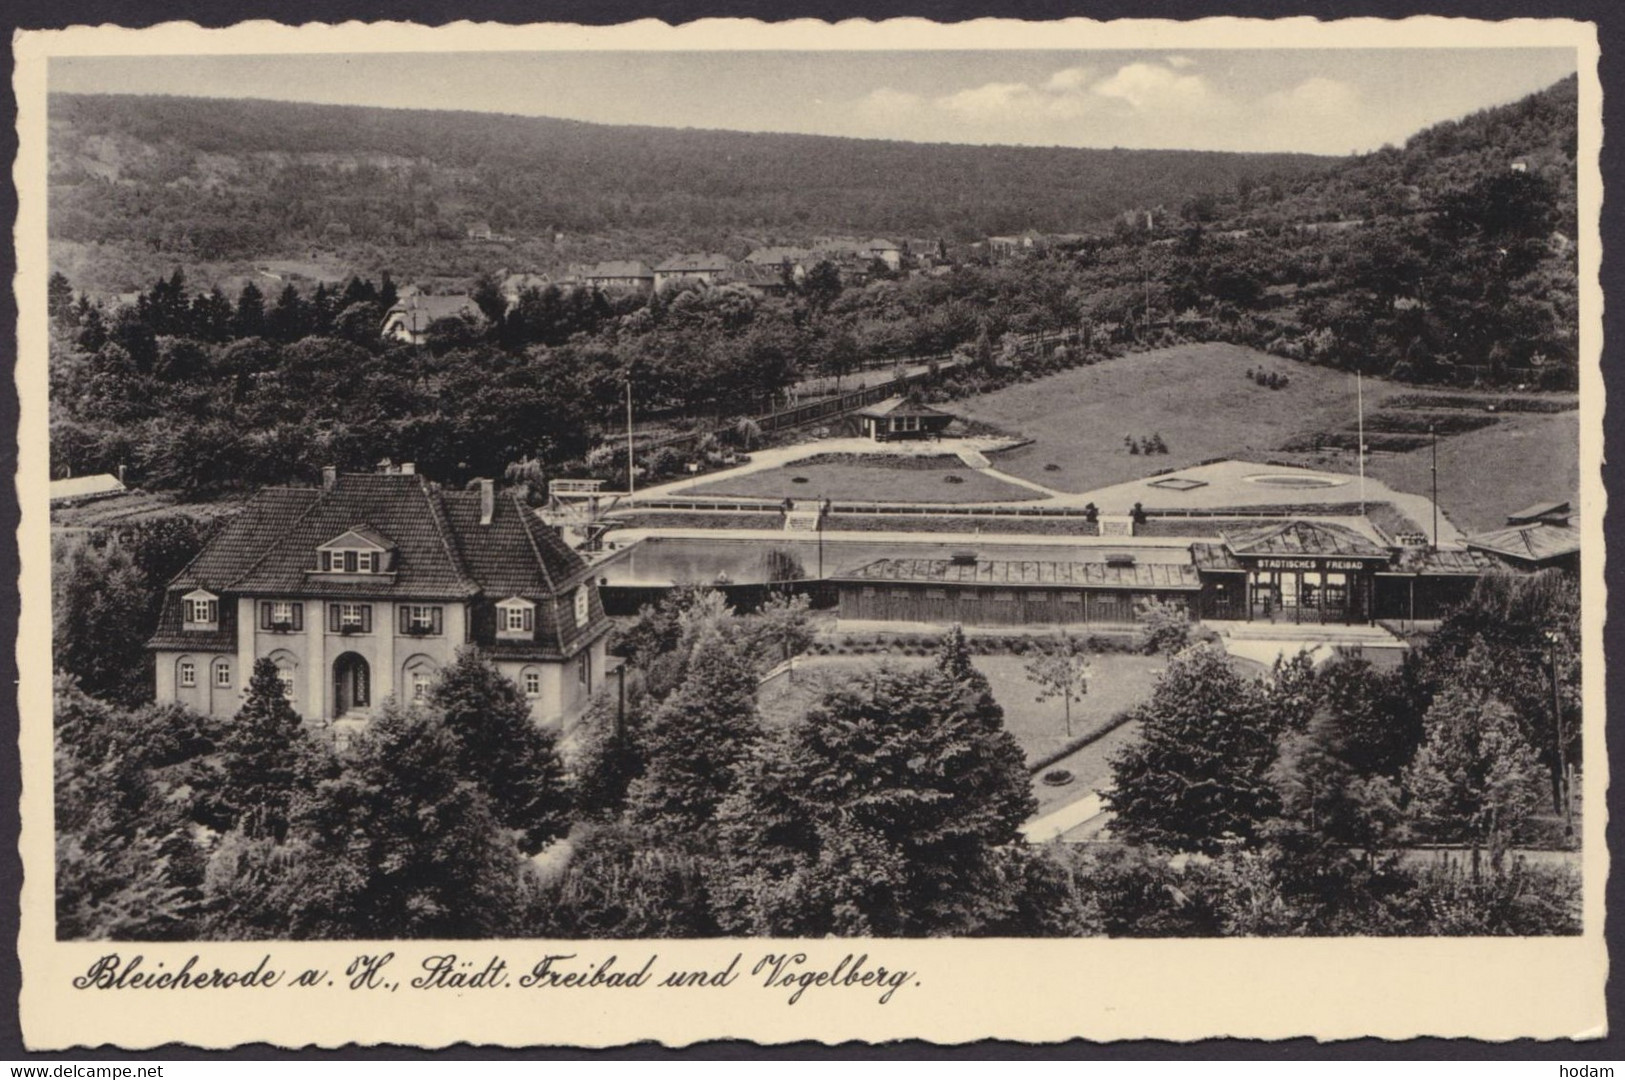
x: 886, y: 102
x: 995, y: 100
x: 1180, y: 62
x: 1153, y: 88
x: 1318, y: 96
x: 1068, y: 80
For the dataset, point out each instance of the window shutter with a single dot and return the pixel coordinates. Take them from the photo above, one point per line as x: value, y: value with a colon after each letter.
x: 436, y: 612
x: 333, y: 617
x: 214, y: 611
x: 327, y: 561
x: 406, y: 618
x: 366, y: 618
x: 298, y: 616
x: 265, y: 614
x: 529, y: 621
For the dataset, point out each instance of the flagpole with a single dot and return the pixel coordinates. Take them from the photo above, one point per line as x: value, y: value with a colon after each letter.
x: 631, y: 483
x: 1359, y: 395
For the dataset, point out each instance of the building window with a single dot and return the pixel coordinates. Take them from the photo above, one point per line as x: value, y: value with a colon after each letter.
x: 420, y: 685
x: 584, y: 670
x: 421, y: 619
x: 1037, y: 597
x: 350, y: 561
x: 583, y: 606
x: 282, y: 615
x: 285, y: 677
x: 222, y: 674
x: 533, y: 684
x: 349, y: 618
x: 201, y: 610
x: 516, y: 618
x: 188, y: 673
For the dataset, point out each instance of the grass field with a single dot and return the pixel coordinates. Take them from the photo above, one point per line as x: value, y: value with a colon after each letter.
x: 1117, y: 682
x: 1530, y: 458
x: 1197, y: 397
x: 847, y: 480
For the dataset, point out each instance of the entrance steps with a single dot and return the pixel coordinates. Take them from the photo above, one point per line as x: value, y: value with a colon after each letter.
x: 801, y: 519
x: 973, y: 458
x: 1327, y: 633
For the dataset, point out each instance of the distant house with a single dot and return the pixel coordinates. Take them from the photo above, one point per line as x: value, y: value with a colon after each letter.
x: 764, y: 278
x: 797, y: 259
x: 886, y: 251
x: 364, y: 589
x: 409, y: 320
x: 622, y: 275
x: 900, y: 418
x: 516, y: 285
x: 480, y: 230
x: 705, y: 267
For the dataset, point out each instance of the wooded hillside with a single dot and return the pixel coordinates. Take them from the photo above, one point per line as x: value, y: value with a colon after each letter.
x: 211, y: 179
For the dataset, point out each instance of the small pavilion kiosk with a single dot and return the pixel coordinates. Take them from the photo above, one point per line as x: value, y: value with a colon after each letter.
x: 901, y: 418
x: 1300, y: 571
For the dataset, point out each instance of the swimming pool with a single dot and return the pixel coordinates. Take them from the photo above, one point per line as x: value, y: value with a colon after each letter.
x: 660, y: 561
x: 1298, y: 480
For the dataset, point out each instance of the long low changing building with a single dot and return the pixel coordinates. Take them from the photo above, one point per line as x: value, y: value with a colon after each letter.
x: 1298, y: 571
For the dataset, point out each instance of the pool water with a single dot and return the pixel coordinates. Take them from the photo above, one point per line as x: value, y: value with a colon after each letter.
x: 660, y: 561
x: 1297, y: 480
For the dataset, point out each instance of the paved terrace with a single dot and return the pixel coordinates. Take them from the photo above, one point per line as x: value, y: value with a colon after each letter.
x: 1200, y: 489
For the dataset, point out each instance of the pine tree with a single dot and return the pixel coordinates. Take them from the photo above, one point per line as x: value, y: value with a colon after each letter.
x: 268, y: 757
x: 698, y: 736
x: 250, y: 318
x: 504, y: 751
x: 1475, y: 779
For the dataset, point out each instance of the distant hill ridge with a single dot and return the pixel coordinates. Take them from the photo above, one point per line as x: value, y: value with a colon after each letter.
x: 235, y: 169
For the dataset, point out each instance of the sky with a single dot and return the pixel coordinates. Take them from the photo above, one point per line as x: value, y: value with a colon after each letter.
x: 1324, y: 101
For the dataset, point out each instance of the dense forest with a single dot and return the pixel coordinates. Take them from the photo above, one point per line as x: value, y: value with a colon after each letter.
x: 1449, y: 261
x: 1291, y: 804
x: 209, y: 179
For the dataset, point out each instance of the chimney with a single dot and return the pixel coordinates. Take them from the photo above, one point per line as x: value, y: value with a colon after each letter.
x: 488, y: 501
x: 330, y: 477
x: 409, y: 468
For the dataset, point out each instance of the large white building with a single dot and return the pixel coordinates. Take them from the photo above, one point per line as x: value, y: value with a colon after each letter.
x: 365, y: 587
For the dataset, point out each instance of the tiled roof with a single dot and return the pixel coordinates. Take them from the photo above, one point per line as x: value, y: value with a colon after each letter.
x: 418, y: 312
x: 400, y: 506
x: 441, y: 552
x: 1296, y: 538
x: 1214, y: 557
x: 1538, y: 510
x: 997, y: 572
x: 241, y: 539
x: 1443, y: 562
x: 693, y: 263
x: 1536, y: 543
x: 775, y: 256
x: 899, y: 406
x: 757, y: 274
x: 624, y: 268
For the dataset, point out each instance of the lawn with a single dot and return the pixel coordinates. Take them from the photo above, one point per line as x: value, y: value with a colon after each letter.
x: 1118, y: 682
x: 1535, y: 457
x: 1197, y: 397
x: 904, y: 482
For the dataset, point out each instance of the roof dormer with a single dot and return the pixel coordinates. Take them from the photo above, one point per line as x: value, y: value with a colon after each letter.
x: 360, y: 549
x: 516, y: 618
x: 200, y: 610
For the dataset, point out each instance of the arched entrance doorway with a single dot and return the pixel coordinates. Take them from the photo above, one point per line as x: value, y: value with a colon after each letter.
x: 352, y: 684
